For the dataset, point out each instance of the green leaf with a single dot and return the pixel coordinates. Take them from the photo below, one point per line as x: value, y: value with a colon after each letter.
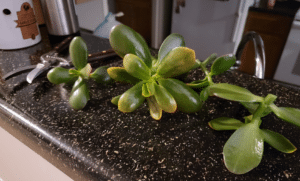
x: 155, y: 109
x: 233, y: 93
x: 60, y: 75
x: 186, y: 98
x: 125, y: 40
x: 151, y: 87
x: 291, y: 115
x: 209, y: 59
x: 136, y: 67
x: 101, y: 76
x: 145, y: 91
x: 131, y: 99
x: 204, y: 94
x: 79, y: 95
x: 78, y: 52
x: 277, y: 141
x: 224, y: 123
x: 121, y: 75
x: 115, y: 100
x: 252, y: 107
x: 244, y: 149
x: 222, y: 64
x: 178, y: 61
x: 172, y: 41
x: 164, y: 99
x: 86, y: 71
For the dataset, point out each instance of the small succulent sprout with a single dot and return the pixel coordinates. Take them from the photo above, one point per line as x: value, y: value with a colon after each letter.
x: 83, y: 71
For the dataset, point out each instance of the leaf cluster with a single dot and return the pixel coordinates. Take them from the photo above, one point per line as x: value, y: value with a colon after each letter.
x: 244, y: 149
x: 153, y: 78
x: 82, y: 72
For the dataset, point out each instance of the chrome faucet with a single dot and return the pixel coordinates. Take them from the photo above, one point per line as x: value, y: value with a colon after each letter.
x: 260, y: 59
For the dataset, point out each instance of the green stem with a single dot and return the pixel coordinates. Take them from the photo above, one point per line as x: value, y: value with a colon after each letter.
x: 204, y: 69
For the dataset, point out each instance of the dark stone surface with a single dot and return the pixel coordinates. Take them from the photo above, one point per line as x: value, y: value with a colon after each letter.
x: 101, y: 143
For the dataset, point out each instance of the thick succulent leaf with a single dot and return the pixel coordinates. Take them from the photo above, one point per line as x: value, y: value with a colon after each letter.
x: 178, y: 61
x: 101, y: 76
x: 151, y: 87
x: 78, y: 52
x: 291, y: 115
x: 164, y: 99
x: 136, y: 67
x: 224, y: 123
x: 204, y: 94
x: 86, y: 71
x: 121, y: 75
x: 172, y: 41
x: 131, y: 99
x: 221, y: 64
x: 79, y: 95
x: 145, y: 91
x: 233, y: 93
x: 60, y: 75
x: 125, y: 40
x: 277, y: 141
x: 186, y: 98
x: 244, y: 149
x: 155, y: 109
x: 115, y: 100
x: 252, y: 107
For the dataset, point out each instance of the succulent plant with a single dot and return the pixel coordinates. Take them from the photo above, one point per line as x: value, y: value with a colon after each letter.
x: 244, y: 149
x: 153, y: 78
x: 80, y: 91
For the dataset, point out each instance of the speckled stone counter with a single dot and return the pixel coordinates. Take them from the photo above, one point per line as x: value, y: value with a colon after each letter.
x: 101, y: 143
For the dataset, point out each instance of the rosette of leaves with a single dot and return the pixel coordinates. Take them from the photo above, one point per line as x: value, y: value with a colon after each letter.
x: 153, y: 78
x: 82, y: 72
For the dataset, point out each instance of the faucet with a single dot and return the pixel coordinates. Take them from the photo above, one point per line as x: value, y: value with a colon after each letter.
x: 260, y: 59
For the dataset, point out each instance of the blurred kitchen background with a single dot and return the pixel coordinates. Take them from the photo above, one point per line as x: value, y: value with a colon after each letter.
x: 208, y: 26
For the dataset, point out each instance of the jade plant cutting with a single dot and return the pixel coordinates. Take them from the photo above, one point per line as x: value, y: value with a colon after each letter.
x: 244, y: 149
x: 80, y: 74
x: 153, y: 79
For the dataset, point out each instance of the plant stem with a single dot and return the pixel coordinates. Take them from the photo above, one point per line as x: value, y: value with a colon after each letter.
x: 204, y: 69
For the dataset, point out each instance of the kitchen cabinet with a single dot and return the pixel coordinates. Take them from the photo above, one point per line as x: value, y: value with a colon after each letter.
x: 274, y: 30
x: 137, y: 15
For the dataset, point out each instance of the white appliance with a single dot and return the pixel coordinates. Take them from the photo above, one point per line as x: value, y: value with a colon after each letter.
x: 288, y: 69
x: 211, y: 26
x: 19, y: 28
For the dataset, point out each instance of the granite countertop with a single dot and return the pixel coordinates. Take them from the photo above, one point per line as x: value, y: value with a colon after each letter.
x: 101, y: 143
